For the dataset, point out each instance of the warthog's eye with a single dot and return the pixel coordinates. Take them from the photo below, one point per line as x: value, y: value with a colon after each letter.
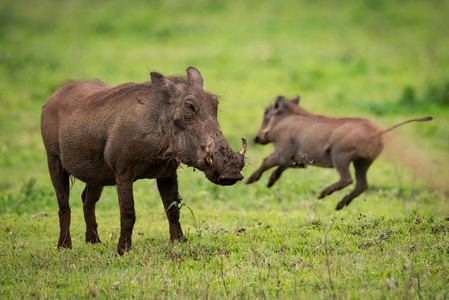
x: 190, y: 108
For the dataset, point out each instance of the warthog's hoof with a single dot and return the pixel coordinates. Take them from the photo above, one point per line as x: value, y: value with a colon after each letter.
x: 92, y: 237
x: 124, y: 245
x: 65, y: 242
x: 95, y: 240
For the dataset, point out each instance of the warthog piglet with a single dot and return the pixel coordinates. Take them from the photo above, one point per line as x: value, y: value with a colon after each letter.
x: 302, y: 138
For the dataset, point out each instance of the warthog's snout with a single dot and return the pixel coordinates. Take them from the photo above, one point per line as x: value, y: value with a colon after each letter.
x: 261, y: 138
x: 223, y: 166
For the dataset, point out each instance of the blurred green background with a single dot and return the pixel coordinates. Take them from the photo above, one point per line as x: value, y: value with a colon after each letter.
x: 384, y: 60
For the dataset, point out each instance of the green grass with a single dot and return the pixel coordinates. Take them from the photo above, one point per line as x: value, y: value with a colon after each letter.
x: 383, y: 60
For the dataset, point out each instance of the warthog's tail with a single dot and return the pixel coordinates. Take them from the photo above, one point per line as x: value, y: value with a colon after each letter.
x: 400, y: 124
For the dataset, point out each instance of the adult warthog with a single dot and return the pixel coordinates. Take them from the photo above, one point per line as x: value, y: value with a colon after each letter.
x: 106, y: 135
x: 302, y: 138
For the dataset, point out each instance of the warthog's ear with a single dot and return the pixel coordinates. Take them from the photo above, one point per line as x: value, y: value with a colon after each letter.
x: 295, y: 100
x: 279, y: 102
x: 194, y: 77
x: 163, y: 88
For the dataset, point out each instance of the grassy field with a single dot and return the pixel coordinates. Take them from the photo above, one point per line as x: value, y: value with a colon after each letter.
x: 383, y: 60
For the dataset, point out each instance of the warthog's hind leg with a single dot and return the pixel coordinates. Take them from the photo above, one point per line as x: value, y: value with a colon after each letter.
x: 90, y: 196
x: 60, y: 181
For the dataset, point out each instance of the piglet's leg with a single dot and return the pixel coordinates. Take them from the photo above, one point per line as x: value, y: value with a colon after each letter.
x: 341, y: 163
x: 278, y: 172
x: 276, y: 175
x: 168, y: 188
x: 361, y: 168
x: 272, y: 160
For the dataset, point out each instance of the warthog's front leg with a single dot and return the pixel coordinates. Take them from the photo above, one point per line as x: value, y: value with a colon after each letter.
x: 90, y: 197
x: 127, y: 214
x: 168, y: 188
x: 278, y: 172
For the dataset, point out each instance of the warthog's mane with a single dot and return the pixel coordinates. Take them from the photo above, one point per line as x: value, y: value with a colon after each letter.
x: 178, y: 79
x: 131, y: 89
x: 74, y: 80
x: 298, y: 110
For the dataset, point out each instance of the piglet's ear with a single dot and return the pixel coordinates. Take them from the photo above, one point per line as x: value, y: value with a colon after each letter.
x: 194, y: 77
x: 163, y: 88
x: 295, y: 100
x: 279, y: 102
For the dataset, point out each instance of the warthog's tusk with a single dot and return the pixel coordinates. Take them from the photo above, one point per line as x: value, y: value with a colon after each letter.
x: 243, y: 149
x: 209, y: 160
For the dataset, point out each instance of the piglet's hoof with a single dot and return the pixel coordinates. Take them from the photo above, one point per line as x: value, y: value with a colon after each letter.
x: 340, y: 205
x: 325, y: 193
x: 252, y: 178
